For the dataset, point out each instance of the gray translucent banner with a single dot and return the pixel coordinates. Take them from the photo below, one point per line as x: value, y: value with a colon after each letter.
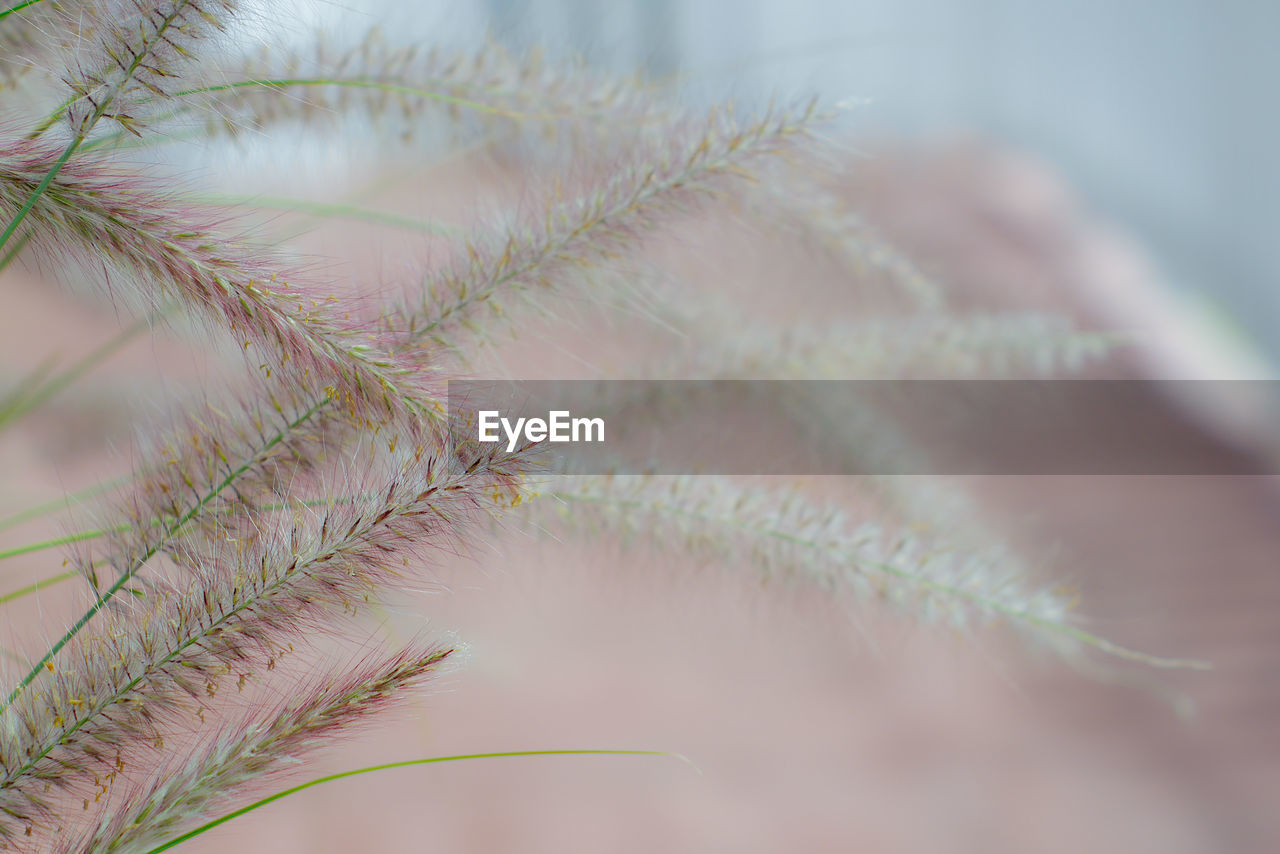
x: 819, y: 427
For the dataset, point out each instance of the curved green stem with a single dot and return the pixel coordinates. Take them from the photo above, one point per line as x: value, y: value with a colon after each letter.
x: 140, y: 58
x: 40, y: 190
x: 17, y: 7
x: 170, y: 531
x: 394, y: 88
x: 39, y: 585
x: 60, y: 503
x: 178, y: 840
x: 78, y: 537
x: 81, y: 536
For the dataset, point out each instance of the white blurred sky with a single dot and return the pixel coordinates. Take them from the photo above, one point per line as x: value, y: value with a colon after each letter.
x: 1161, y: 113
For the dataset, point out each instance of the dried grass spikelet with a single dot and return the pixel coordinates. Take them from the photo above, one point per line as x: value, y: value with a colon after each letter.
x: 565, y: 242
x: 486, y: 88
x: 783, y: 534
x: 795, y: 202
x: 209, y: 470
x: 212, y: 462
x: 163, y: 805
x: 242, y: 533
x: 956, y: 346
x: 234, y: 603
x: 713, y: 339
x: 121, y: 224
x: 123, y: 53
x: 106, y: 47
x: 176, y: 496
x: 591, y: 231
x: 716, y: 341
x: 710, y: 339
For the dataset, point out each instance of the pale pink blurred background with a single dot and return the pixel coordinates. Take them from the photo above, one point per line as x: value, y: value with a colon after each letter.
x: 814, y: 726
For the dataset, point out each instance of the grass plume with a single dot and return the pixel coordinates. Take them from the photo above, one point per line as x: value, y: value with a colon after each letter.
x: 120, y: 224
x: 783, y: 535
x: 240, y: 600
x: 388, y: 85
x: 294, y: 507
x: 246, y: 755
x: 564, y: 240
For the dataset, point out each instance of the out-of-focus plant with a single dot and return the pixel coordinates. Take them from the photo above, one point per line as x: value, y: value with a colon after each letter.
x: 277, y: 518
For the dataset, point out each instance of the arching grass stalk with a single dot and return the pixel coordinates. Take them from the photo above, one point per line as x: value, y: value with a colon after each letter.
x: 239, y: 610
x: 39, y: 191
x: 169, y: 532
x: 78, y: 537
x: 17, y: 7
x: 781, y: 533
x: 97, y: 533
x: 125, y: 226
x: 281, y: 83
x: 231, y: 584
x: 588, y: 231
x: 410, y: 763
x: 141, y: 54
x: 37, y: 586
